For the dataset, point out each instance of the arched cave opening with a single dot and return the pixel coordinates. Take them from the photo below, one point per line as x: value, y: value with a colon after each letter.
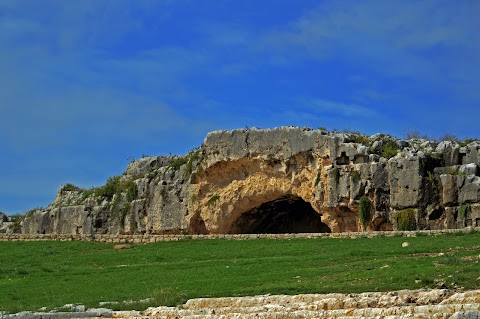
x: 288, y: 214
x: 436, y: 214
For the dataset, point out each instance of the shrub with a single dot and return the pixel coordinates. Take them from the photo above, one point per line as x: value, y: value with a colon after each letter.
x: 213, y: 200
x: 455, y: 172
x: 88, y: 192
x: 467, y: 141
x: 359, y: 138
x: 132, y: 190
x: 16, y: 217
x: 356, y: 176
x: 365, y: 207
x: 317, y: 180
x: 110, y: 188
x: 388, y: 149
x: 431, y: 177
x: 178, y: 162
x: 406, y: 219
x: 70, y: 187
x: 463, y: 211
x: 113, y: 186
x: 192, y: 157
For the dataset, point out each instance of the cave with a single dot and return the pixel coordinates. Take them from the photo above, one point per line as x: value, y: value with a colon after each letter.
x: 287, y: 214
x: 436, y: 214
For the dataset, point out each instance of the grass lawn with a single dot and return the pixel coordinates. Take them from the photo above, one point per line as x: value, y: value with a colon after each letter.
x: 51, y: 274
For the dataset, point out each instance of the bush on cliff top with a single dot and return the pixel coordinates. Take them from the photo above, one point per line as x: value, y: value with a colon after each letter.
x: 389, y: 149
x: 114, y: 185
x: 69, y: 187
x: 357, y: 137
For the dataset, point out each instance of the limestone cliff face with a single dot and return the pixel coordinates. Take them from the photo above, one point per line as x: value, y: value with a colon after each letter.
x: 279, y: 180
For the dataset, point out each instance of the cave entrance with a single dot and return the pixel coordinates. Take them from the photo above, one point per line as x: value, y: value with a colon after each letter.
x: 287, y: 214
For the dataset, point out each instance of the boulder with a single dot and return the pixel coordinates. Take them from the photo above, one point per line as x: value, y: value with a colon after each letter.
x: 469, y: 169
x: 449, y: 189
x: 470, y: 190
x: 405, y: 181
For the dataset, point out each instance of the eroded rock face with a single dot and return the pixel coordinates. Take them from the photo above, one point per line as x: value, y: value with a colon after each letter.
x: 286, y: 179
x: 5, y: 222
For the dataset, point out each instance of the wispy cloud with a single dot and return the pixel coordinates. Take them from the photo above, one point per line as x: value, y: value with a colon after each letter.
x: 59, y: 76
x: 328, y: 107
x: 399, y: 38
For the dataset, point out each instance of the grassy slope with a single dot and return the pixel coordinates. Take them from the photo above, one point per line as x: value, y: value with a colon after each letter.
x: 37, y: 274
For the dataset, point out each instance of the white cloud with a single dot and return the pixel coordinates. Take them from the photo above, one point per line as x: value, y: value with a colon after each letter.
x: 322, y: 106
x: 400, y: 38
x: 80, y: 24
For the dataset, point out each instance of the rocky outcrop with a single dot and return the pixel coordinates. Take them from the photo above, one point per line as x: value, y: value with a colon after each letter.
x: 279, y: 180
x: 420, y: 304
x: 427, y: 304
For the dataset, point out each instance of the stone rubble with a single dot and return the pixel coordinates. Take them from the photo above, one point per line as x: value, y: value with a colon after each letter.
x: 421, y: 304
x: 437, y: 303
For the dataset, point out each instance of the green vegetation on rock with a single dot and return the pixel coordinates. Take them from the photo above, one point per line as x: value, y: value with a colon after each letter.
x: 193, y: 157
x: 318, y: 178
x: 213, y: 200
x: 189, y: 160
x: 389, y: 149
x: 70, y: 188
x: 455, y: 171
x: 406, y: 219
x: 365, y: 207
x: 132, y: 190
x: 359, y: 138
x: 463, y: 211
x: 178, y: 162
x: 355, y: 176
x: 114, y: 186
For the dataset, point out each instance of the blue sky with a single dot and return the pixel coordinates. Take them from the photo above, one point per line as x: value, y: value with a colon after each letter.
x: 87, y: 85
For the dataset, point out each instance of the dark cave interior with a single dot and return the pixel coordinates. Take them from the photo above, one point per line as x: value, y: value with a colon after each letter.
x: 287, y: 214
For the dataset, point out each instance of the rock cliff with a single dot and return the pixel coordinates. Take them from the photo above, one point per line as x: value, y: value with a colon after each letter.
x: 280, y: 180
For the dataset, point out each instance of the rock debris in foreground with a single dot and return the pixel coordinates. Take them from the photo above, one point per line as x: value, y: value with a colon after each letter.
x: 437, y: 303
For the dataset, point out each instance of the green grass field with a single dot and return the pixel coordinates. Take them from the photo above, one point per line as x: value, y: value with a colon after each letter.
x: 51, y: 274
